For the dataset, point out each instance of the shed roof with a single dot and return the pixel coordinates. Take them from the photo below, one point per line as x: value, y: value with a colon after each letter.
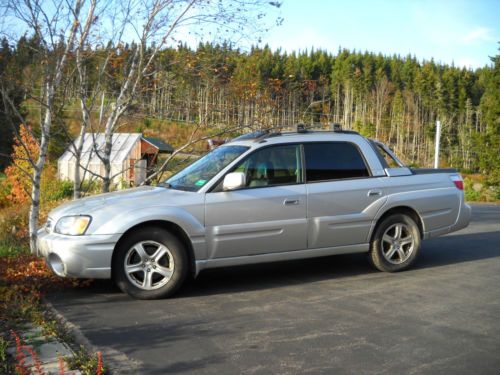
x: 162, y: 146
x: 122, y: 144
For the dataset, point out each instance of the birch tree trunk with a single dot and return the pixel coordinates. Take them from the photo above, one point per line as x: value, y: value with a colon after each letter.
x: 38, y: 168
x: 82, y: 94
x: 52, y: 80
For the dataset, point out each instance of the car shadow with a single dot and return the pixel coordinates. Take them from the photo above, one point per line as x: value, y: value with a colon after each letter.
x: 438, y: 252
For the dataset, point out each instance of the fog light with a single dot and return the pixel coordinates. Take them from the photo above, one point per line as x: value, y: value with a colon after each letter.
x: 57, y: 265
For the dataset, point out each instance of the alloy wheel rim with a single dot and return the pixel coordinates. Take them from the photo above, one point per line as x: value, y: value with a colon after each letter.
x: 397, y: 243
x: 149, y: 265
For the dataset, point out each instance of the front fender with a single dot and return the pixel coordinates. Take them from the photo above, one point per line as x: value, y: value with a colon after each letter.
x: 120, y: 223
x: 190, y: 222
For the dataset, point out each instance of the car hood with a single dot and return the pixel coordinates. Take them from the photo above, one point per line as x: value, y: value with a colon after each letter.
x: 124, y: 200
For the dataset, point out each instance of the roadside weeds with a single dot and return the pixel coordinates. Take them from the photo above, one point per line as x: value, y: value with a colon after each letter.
x: 34, y: 340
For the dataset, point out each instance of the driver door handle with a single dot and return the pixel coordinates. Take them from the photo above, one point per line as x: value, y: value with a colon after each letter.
x: 290, y: 202
x: 375, y: 193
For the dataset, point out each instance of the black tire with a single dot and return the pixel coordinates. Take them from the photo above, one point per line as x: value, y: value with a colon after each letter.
x: 149, y: 239
x: 394, y: 256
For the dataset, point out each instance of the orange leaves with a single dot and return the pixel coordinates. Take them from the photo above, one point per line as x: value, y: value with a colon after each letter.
x: 23, y: 281
x: 24, y: 267
x: 25, y: 149
x: 26, y: 278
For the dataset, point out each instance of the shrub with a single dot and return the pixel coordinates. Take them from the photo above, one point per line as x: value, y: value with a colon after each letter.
x: 4, y: 190
x: 478, y: 188
x: 91, y: 187
x: 53, y: 189
x: 13, y: 230
x: 471, y: 195
x: 16, y: 188
x: 24, y: 149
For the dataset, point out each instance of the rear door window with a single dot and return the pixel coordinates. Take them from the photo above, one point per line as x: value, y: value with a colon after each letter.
x: 333, y: 161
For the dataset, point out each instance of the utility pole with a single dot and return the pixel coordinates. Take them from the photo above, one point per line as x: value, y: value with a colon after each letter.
x: 438, y: 138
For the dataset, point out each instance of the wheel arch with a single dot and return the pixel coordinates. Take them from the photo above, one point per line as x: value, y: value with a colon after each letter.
x: 171, y: 227
x: 405, y: 210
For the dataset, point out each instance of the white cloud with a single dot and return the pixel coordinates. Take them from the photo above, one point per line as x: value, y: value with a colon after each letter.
x: 479, y: 34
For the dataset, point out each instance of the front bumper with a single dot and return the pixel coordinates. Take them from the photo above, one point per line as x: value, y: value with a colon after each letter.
x: 86, y: 256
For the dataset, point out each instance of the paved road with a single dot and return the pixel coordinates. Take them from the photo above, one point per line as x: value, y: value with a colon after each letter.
x: 322, y: 316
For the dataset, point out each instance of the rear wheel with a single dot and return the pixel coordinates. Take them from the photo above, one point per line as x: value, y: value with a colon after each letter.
x: 150, y: 263
x: 395, y: 244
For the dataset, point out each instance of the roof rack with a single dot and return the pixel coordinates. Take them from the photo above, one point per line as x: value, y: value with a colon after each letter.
x: 261, y: 135
x: 301, y: 128
x: 337, y: 128
x: 254, y: 135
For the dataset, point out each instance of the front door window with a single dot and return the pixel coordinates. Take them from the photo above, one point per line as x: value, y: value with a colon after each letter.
x: 272, y: 166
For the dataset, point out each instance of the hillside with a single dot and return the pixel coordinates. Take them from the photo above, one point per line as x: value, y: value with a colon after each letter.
x: 392, y: 98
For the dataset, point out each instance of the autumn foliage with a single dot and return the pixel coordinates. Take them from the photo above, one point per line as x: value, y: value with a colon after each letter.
x: 23, y: 281
x: 18, y: 174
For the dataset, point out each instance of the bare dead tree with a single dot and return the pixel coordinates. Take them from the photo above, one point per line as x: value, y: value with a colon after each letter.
x: 155, y: 23
x: 196, y: 136
x: 86, y: 102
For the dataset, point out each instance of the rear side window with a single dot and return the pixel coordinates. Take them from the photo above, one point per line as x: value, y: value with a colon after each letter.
x: 388, y: 158
x: 333, y: 161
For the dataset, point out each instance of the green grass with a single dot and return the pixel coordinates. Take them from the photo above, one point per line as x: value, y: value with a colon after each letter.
x: 10, y: 248
x: 4, y: 367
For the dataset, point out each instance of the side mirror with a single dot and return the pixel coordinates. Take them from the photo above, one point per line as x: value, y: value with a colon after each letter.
x: 234, y: 181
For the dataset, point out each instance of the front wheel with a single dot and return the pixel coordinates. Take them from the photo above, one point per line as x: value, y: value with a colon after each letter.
x: 395, y: 244
x: 150, y: 263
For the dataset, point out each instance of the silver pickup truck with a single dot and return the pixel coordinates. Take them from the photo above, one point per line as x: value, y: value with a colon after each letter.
x: 262, y: 197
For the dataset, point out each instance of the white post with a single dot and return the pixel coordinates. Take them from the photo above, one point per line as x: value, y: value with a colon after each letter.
x: 438, y: 138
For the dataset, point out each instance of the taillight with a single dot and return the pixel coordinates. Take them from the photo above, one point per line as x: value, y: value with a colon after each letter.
x: 457, y: 180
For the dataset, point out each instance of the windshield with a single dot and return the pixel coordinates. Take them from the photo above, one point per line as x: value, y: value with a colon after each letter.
x: 193, y: 177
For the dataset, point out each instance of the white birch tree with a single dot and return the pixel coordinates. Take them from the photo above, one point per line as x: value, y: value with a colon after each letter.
x: 55, y: 25
x: 155, y: 24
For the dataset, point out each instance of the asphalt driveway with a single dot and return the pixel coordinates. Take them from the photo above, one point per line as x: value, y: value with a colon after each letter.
x: 331, y: 315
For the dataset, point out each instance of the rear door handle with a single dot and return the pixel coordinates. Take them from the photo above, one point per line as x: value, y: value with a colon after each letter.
x: 375, y: 193
x: 290, y: 202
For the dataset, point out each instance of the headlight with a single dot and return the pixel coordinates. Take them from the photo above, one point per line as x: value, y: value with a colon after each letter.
x: 72, y: 225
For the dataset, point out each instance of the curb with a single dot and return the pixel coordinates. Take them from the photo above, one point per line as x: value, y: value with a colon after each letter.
x: 115, y: 362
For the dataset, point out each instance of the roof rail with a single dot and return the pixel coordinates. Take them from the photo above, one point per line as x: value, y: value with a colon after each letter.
x: 254, y: 135
x: 300, y: 128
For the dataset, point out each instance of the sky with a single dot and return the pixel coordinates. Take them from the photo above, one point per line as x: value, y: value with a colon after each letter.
x: 463, y: 32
